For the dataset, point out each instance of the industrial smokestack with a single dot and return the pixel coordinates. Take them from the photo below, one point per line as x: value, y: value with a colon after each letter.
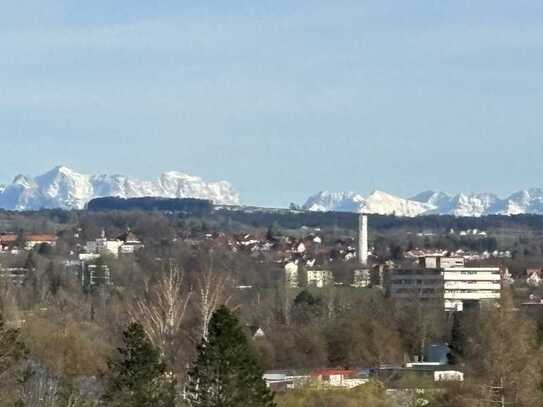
x: 363, y: 239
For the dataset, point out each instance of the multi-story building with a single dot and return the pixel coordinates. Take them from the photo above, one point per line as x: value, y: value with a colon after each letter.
x: 361, y: 278
x: 448, y: 279
x: 93, y: 275
x: 443, y: 262
x: 127, y: 243
x: 416, y: 283
x: 319, y: 278
x: 461, y: 284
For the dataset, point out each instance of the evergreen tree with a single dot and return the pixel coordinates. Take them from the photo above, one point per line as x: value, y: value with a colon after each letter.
x: 227, y: 373
x: 138, y: 377
x: 12, y: 353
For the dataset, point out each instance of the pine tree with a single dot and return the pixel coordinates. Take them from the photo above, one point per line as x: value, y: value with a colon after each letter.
x: 227, y: 373
x: 138, y: 377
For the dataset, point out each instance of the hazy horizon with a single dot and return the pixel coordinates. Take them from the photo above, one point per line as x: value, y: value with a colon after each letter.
x: 282, y: 99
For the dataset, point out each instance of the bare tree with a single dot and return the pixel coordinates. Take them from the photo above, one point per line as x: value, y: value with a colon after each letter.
x: 212, y: 293
x: 162, y: 310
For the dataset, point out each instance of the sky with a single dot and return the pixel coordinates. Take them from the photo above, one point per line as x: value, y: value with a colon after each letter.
x: 281, y: 98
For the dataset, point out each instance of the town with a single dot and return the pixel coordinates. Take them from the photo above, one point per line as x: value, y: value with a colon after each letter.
x: 332, y: 311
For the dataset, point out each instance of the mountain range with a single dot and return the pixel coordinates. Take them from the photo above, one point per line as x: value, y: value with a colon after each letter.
x: 429, y: 203
x: 65, y: 188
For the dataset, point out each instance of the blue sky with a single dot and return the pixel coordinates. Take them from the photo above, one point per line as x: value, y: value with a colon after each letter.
x: 281, y: 98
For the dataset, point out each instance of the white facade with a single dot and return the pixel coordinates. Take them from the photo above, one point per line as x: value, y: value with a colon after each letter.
x: 450, y: 262
x: 448, y: 376
x: 444, y: 262
x: 361, y: 278
x: 319, y: 278
x: 470, y: 283
x: 291, y: 275
x: 110, y: 247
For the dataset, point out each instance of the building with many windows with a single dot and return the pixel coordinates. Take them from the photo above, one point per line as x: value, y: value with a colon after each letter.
x: 455, y: 284
x: 462, y: 284
x: 416, y: 283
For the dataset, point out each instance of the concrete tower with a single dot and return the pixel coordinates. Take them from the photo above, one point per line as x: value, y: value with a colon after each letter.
x: 363, y: 239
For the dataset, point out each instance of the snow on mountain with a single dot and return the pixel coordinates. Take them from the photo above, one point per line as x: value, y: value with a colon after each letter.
x: 335, y: 201
x: 430, y: 202
x: 385, y: 204
x: 65, y: 188
x: 379, y: 202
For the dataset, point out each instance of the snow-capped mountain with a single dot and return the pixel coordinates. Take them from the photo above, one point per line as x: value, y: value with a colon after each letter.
x: 429, y: 202
x: 65, y: 188
x: 379, y: 203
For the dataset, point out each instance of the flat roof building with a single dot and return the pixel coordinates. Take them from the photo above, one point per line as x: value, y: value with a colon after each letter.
x: 470, y: 284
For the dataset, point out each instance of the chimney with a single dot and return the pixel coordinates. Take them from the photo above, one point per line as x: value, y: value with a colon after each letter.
x: 363, y: 239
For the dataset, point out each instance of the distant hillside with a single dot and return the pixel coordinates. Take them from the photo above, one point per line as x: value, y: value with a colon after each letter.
x: 185, y: 205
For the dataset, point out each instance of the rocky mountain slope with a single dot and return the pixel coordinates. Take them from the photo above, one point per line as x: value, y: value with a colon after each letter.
x: 65, y: 188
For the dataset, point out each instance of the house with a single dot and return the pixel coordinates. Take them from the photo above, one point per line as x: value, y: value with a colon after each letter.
x: 361, y: 278
x: 534, y: 277
x: 339, y: 378
x: 291, y: 275
x: 284, y: 380
x: 256, y: 332
x: 104, y: 246
x: 126, y: 243
x: 448, y: 376
x: 319, y: 278
x: 7, y: 240
x: 34, y: 240
x: 130, y: 243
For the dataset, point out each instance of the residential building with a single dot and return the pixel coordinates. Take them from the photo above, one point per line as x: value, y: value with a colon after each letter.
x: 130, y: 243
x: 127, y: 243
x: 7, y: 240
x: 340, y: 378
x: 284, y: 380
x: 361, y: 278
x: 319, y: 278
x: 93, y: 275
x: 291, y: 275
x: 462, y: 284
x: 32, y: 241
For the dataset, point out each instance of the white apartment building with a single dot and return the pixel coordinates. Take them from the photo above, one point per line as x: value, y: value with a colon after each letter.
x: 319, y: 278
x: 470, y: 284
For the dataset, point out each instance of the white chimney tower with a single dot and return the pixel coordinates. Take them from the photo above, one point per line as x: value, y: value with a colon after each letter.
x: 363, y: 239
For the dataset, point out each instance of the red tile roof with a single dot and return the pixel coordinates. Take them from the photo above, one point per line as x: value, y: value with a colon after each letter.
x: 41, y: 238
x: 8, y: 238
